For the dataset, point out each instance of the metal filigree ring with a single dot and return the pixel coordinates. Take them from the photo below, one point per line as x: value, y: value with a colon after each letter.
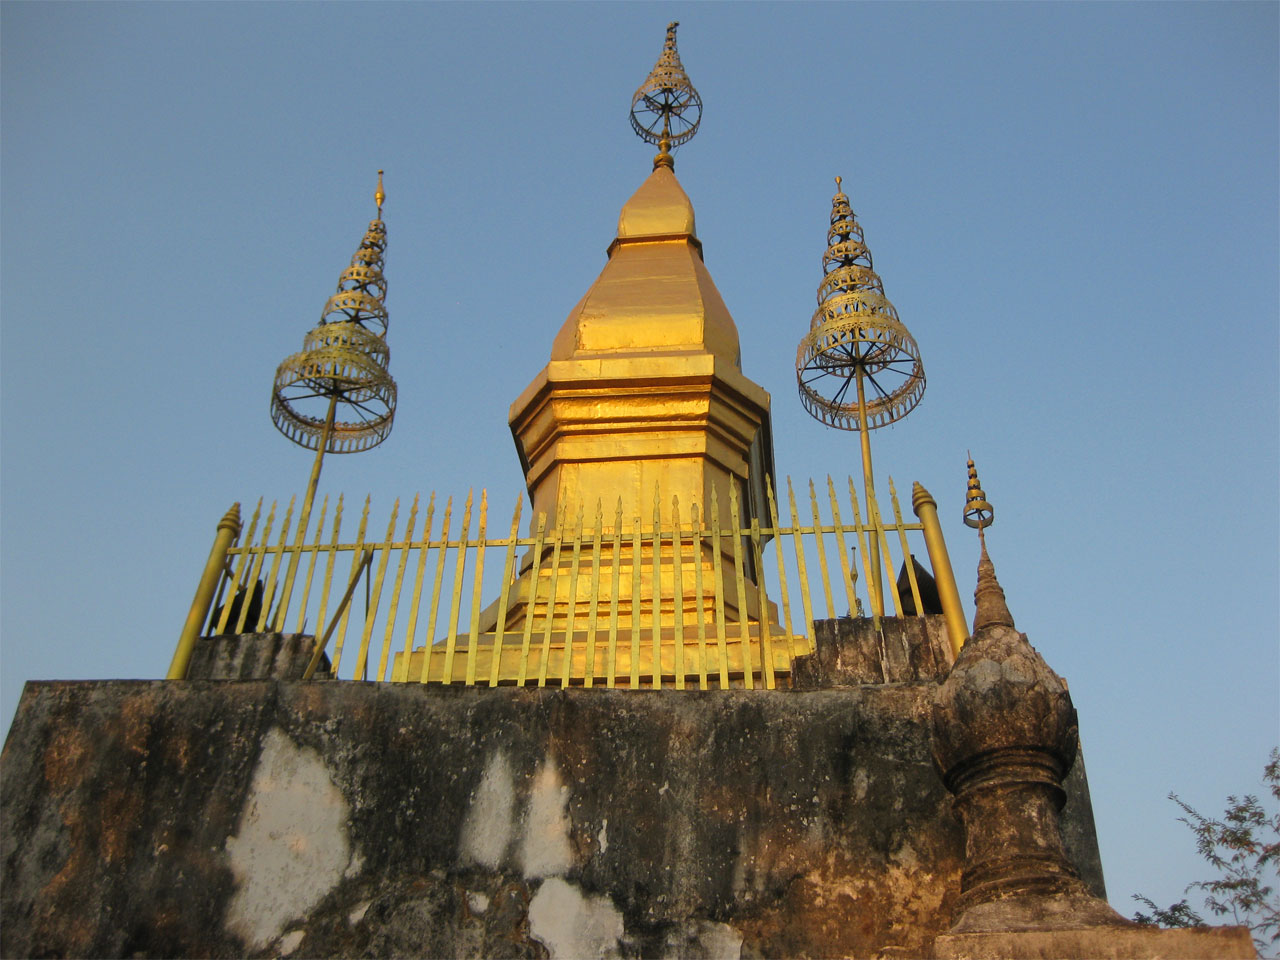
x: 839, y: 348
x: 362, y: 276
x: 847, y: 279
x: 653, y: 104
x: 842, y: 249
x: 356, y: 306
x: 346, y: 335
x: 866, y: 304
x: 346, y: 367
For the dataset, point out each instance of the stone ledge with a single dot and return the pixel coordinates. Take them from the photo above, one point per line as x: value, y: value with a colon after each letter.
x: 851, y: 652
x: 254, y: 656
x: 1104, y: 943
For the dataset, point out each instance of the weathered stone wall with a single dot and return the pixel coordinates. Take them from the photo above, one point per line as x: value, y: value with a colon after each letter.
x: 232, y: 818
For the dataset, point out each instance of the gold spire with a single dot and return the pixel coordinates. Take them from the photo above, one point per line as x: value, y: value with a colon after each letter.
x: 977, y: 512
x: 666, y: 109
x: 379, y: 196
x: 654, y: 294
x: 644, y: 402
x: 663, y: 157
x: 660, y: 208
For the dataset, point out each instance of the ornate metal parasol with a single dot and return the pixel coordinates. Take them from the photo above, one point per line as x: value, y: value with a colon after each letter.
x: 978, y: 513
x: 343, y: 364
x: 858, y: 368
x: 666, y: 110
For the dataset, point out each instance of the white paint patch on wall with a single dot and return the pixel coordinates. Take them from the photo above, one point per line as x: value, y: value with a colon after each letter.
x: 289, y: 942
x: 291, y: 847
x: 573, y: 926
x: 544, y: 847
x: 708, y: 940
x: 356, y: 915
x: 486, y: 832
x: 860, y: 784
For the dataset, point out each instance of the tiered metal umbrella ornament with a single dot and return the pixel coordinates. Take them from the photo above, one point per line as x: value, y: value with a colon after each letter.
x: 858, y: 368
x: 978, y: 513
x: 666, y: 109
x: 342, y: 369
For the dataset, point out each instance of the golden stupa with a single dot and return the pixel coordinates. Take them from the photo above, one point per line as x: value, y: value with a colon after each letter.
x: 642, y: 420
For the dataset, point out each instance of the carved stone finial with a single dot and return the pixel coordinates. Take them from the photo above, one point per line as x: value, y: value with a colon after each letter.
x: 988, y: 597
x: 1004, y: 738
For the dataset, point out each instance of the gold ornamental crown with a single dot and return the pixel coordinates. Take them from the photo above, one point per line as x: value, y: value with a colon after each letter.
x: 978, y: 513
x: 666, y: 109
x: 855, y: 338
x: 343, y: 362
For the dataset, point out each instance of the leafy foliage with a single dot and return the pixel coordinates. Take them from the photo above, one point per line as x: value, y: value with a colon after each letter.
x: 1179, y: 914
x: 1244, y: 847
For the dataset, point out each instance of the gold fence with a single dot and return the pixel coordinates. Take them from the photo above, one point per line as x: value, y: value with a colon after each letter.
x: 417, y: 595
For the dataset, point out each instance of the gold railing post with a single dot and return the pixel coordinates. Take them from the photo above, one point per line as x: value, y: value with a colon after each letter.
x: 339, y: 615
x: 869, y: 491
x: 228, y: 530
x: 926, y: 508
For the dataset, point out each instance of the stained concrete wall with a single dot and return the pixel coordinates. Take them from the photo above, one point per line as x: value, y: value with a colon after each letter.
x: 272, y: 818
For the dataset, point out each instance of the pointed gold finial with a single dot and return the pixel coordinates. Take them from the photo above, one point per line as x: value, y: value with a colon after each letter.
x: 978, y: 513
x: 380, y: 195
x: 231, y: 519
x: 666, y: 110
x: 663, y: 157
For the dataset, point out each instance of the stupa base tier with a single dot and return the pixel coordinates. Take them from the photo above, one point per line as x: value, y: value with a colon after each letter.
x: 627, y: 659
x: 639, y: 585
x: 575, y: 605
x: 624, y: 428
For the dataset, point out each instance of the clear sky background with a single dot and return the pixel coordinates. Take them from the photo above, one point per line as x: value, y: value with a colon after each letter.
x: 1073, y: 207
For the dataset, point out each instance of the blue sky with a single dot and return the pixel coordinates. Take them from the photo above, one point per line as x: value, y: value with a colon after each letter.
x: 1072, y: 206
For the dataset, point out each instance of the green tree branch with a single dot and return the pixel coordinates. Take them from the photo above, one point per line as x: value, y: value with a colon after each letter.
x: 1244, y: 847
